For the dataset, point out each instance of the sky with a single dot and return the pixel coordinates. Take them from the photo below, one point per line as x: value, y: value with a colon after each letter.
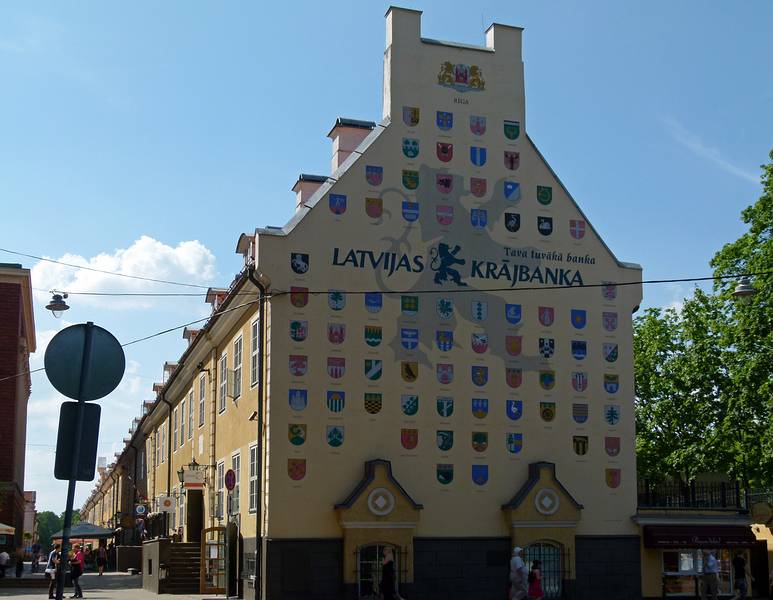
x: 144, y: 138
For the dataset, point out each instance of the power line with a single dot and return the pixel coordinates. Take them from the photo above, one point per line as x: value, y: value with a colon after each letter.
x: 59, y: 262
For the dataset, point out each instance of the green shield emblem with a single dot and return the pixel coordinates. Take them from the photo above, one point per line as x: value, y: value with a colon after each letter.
x: 445, y: 473
x: 445, y: 439
x: 410, y: 179
x: 512, y: 130
x: 410, y: 404
x: 373, y: 335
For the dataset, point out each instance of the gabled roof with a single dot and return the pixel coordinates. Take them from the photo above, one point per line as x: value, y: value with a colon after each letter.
x: 367, y: 479
x: 534, y: 477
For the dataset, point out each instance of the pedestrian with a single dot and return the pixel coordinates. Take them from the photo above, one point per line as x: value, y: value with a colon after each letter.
x: 51, y: 565
x: 710, y: 576
x: 19, y: 561
x: 77, y: 567
x: 101, y: 558
x: 4, y: 558
x: 111, y: 557
x: 387, y: 586
x: 519, y: 575
x: 739, y: 576
x: 535, y: 581
x: 35, y: 557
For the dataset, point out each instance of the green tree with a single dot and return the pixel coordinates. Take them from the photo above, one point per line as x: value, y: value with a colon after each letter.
x: 48, y: 524
x: 704, y: 383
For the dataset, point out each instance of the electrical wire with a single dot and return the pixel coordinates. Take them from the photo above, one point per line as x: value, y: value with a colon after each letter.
x: 59, y: 262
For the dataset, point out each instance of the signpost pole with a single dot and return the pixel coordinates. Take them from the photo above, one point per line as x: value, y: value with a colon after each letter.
x: 77, y: 434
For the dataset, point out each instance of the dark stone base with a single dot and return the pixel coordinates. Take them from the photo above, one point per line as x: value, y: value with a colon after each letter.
x: 304, y: 569
x: 607, y: 567
x: 446, y: 568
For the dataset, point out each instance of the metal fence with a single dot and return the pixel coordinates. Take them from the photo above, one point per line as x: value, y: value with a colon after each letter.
x: 554, y: 566
x: 714, y: 495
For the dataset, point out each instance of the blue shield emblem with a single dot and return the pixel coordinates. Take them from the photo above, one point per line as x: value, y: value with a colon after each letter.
x: 580, y: 413
x: 514, y: 442
x: 611, y: 383
x: 480, y: 407
x: 514, y: 409
x: 336, y: 401
x: 445, y: 406
x: 579, y: 349
x: 337, y: 203
x: 410, y: 210
x: 479, y: 217
x: 409, y: 338
x: 547, y: 379
x: 513, y: 313
x: 479, y: 375
x: 478, y: 155
x: 444, y: 120
x: 512, y: 190
x: 298, y: 399
x: 480, y: 474
x: 374, y: 175
x: 373, y: 302
x: 578, y: 318
x: 444, y: 340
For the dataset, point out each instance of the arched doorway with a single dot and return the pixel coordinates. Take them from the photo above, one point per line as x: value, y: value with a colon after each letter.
x: 369, y: 559
x: 553, y: 565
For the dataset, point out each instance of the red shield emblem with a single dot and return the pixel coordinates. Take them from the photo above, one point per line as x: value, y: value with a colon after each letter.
x: 299, y: 296
x: 613, y: 478
x: 546, y: 315
x: 577, y: 228
x: 479, y: 343
x: 299, y: 364
x: 409, y: 438
x: 336, y: 366
x: 513, y: 344
x: 444, y: 214
x: 512, y: 160
x: 444, y: 182
x: 445, y: 373
x: 374, y: 207
x: 336, y: 333
x: 514, y: 377
x: 445, y: 152
x: 296, y: 468
x: 612, y: 445
x: 478, y: 186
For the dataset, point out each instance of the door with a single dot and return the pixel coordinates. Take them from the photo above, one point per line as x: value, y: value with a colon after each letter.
x: 552, y: 565
x: 212, y: 574
x: 194, y: 514
x: 369, y: 560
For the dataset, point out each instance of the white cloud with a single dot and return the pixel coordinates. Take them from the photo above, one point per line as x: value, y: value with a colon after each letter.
x: 698, y: 147
x: 188, y: 262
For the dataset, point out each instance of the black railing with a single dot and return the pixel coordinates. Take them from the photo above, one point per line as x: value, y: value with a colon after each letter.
x: 678, y: 495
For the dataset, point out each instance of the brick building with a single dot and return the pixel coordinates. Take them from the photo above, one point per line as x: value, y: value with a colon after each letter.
x: 17, y: 341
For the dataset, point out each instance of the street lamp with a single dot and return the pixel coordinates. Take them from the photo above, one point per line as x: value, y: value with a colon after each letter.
x: 744, y: 291
x: 192, y: 466
x: 57, y: 305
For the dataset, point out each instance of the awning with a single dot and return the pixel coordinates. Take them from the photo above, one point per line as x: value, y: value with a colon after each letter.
x: 85, y: 531
x: 7, y: 529
x: 698, y: 536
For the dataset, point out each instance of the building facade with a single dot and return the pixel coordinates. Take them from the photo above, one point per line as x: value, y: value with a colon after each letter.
x: 17, y: 342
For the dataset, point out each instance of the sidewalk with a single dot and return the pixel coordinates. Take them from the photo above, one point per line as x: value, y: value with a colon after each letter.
x: 111, y: 586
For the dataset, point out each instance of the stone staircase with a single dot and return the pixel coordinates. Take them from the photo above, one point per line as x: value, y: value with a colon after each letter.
x: 183, y: 569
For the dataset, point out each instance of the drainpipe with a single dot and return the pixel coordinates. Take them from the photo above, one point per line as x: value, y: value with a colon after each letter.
x: 168, y: 459
x: 259, y: 513
x: 212, y: 433
x: 133, y: 497
x: 114, y: 478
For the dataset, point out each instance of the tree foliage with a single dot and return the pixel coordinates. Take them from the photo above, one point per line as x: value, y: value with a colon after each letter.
x: 704, y: 375
x: 48, y: 524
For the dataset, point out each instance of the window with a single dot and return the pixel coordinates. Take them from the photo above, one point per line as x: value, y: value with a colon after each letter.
x: 681, y: 567
x: 163, y: 442
x: 172, y: 514
x: 174, y: 430
x: 157, y: 445
x: 141, y: 469
x: 223, y: 382
x: 202, y: 397
x: 254, y: 353
x: 182, y: 423
x: 253, y: 478
x: 238, y: 367
x: 219, y: 487
x: 190, y: 415
x: 181, y: 504
x: 236, y: 465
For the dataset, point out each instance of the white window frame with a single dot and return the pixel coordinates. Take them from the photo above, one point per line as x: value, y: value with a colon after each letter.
x: 183, y: 417
x: 253, y: 485
x: 220, y: 487
x: 190, y: 415
x: 223, y: 383
x: 237, y: 381
x: 202, y: 399
x: 254, y: 354
x: 174, y: 430
x: 236, y: 465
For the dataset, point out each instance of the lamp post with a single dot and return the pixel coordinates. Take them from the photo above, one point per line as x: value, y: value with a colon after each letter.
x: 57, y: 305
x: 744, y: 291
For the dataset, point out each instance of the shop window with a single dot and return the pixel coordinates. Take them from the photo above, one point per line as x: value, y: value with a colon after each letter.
x: 683, y: 568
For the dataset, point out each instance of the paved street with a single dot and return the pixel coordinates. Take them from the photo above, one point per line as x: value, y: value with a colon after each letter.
x: 111, y: 586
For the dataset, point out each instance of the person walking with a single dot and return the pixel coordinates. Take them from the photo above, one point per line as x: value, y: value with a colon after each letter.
x: 710, y: 576
x: 519, y: 575
x: 101, y: 558
x: 77, y: 567
x: 387, y: 586
x: 4, y: 558
x: 35, y: 557
x: 51, y: 566
x: 739, y: 576
x: 19, y: 561
x: 535, y: 581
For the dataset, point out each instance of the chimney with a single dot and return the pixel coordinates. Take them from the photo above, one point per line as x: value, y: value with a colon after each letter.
x: 305, y: 187
x: 216, y: 296
x: 246, y: 247
x: 190, y: 335
x: 347, y: 134
x: 169, y: 368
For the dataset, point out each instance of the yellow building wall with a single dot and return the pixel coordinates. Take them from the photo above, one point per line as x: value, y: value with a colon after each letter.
x: 412, y: 71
